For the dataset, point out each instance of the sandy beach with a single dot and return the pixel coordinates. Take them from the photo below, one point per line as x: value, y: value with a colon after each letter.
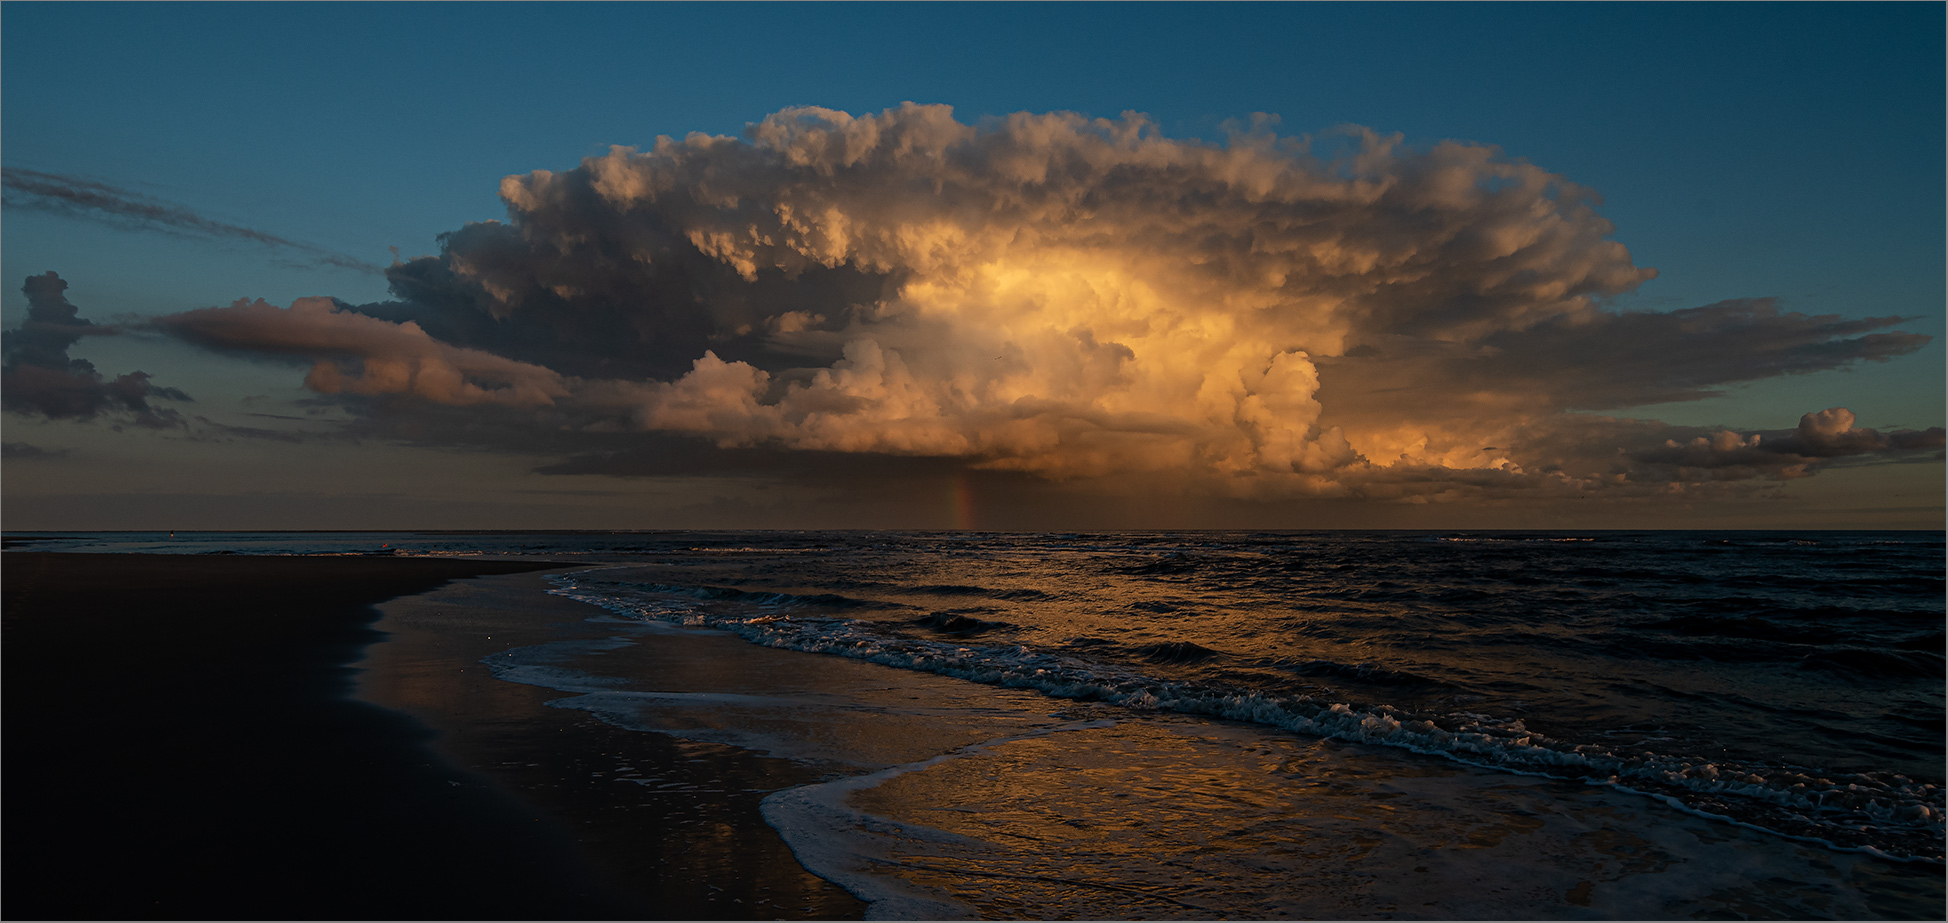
x: 179, y: 744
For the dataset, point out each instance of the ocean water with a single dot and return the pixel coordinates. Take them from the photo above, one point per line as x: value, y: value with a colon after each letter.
x: 1192, y: 724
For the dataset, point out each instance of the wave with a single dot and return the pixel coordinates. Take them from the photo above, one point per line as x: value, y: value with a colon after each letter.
x: 1744, y: 626
x: 948, y: 623
x: 953, y: 589
x: 1511, y: 539
x: 1363, y: 672
x: 1936, y: 642
x: 1883, y: 812
x: 1176, y: 652
x: 770, y: 598
x: 1872, y: 664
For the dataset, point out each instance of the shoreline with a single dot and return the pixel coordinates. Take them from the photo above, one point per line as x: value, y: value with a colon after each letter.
x: 182, y: 743
x: 672, y: 821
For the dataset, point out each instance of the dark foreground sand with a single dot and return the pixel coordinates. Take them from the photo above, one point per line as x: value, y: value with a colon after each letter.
x: 674, y: 820
x: 179, y: 742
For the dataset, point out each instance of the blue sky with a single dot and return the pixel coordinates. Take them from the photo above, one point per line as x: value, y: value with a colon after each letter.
x: 1743, y: 150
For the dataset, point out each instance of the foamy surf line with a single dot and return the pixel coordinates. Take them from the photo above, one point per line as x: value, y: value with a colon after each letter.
x: 1890, y: 817
x: 841, y: 844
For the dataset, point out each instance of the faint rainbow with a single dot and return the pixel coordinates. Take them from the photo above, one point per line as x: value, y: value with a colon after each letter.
x: 960, y: 502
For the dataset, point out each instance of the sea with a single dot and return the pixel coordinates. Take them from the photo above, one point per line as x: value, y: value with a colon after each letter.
x: 1338, y: 724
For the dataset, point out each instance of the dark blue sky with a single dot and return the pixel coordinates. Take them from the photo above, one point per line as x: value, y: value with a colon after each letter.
x: 1748, y: 149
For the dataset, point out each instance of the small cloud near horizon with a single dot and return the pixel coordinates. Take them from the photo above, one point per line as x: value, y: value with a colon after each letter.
x: 22, y: 450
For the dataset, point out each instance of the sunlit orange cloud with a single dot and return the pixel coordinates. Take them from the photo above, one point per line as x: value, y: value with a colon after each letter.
x: 1075, y: 297
x: 355, y: 354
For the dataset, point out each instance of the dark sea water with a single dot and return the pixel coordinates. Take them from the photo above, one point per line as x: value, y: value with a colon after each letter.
x: 1788, y: 687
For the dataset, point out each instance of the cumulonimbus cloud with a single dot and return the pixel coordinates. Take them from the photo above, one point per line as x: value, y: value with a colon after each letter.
x: 1067, y: 297
x: 97, y: 201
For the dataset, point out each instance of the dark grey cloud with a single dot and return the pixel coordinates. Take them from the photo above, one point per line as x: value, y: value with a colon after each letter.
x: 680, y: 456
x: 24, y: 450
x: 38, y: 377
x: 1821, y: 438
x: 1583, y: 456
x: 1601, y: 361
x: 627, y: 302
x: 214, y: 431
x: 1622, y: 360
x: 95, y: 201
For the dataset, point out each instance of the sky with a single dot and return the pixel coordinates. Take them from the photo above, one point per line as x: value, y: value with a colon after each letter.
x: 1015, y: 266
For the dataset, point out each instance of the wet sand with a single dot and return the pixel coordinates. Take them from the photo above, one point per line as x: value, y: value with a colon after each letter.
x: 674, y: 823
x: 179, y: 743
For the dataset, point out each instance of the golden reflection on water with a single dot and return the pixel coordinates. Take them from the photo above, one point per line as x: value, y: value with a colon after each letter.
x: 1186, y: 819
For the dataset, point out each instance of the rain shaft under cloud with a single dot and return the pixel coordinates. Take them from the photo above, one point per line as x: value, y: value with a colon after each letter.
x: 1073, y: 297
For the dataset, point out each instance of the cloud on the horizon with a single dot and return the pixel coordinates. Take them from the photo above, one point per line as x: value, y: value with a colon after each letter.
x: 1071, y: 297
x: 1826, y: 434
x: 96, y: 201
x: 26, y: 450
x: 38, y: 377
